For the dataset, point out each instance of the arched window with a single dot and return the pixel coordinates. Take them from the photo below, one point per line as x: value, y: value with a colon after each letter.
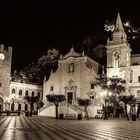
x: 33, y: 93
x: 12, y: 107
x: 26, y: 107
x: 51, y: 88
x: 38, y: 94
x: 116, y: 59
x: 13, y: 91
x: 20, y: 92
x: 19, y: 107
x: 26, y: 93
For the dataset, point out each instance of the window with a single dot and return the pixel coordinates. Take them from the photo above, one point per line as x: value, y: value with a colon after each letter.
x: 26, y: 93
x: 20, y: 92
x: 71, y: 67
x: 33, y: 93
x: 116, y: 59
x: 92, y: 86
x: 0, y: 84
x: 138, y: 78
x: 51, y: 88
x: 38, y: 94
x: 13, y: 91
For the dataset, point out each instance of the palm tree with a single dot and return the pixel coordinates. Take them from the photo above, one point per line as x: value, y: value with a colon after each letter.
x: 56, y: 99
x: 85, y: 103
x: 127, y: 100
x: 115, y: 84
x: 31, y: 100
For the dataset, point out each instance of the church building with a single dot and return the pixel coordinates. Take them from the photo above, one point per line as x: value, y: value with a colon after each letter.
x: 75, y: 77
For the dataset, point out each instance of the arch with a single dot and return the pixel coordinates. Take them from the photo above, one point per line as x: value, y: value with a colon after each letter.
x: 26, y: 93
x: 116, y: 59
x: 20, y: 92
x: 12, y: 107
x: 13, y: 91
x: 33, y: 93
x: 19, y: 107
x: 26, y: 107
x: 32, y: 107
x: 38, y: 94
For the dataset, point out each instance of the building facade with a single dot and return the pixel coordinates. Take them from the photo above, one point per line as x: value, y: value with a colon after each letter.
x: 74, y: 78
x: 12, y: 89
x: 121, y: 63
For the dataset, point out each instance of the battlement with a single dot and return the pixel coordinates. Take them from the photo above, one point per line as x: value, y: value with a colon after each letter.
x: 4, y: 48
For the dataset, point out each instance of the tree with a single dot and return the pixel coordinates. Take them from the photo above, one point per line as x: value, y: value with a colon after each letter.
x: 85, y: 103
x: 115, y: 85
x: 56, y: 99
x: 31, y: 100
x: 40, y: 104
x: 127, y: 100
x: 48, y: 62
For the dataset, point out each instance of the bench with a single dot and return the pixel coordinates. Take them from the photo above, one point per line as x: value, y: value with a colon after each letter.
x: 70, y: 117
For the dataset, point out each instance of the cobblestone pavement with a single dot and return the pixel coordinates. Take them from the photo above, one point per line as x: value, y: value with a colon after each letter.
x: 43, y: 128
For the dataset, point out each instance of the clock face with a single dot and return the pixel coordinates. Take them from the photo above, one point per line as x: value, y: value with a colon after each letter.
x: 2, y: 56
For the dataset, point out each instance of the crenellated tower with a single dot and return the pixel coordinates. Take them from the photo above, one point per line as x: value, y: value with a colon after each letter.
x: 118, y: 52
x: 5, y: 71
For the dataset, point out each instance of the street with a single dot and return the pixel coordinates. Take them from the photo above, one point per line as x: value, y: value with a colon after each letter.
x: 44, y: 128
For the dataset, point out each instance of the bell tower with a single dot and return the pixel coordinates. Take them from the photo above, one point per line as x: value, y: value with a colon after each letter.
x: 118, y: 52
x: 5, y: 70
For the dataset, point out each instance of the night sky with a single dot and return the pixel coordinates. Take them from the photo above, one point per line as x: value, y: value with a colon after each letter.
x: 32, y: 28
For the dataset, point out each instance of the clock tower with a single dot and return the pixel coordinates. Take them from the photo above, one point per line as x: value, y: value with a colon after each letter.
x: 5, y: 72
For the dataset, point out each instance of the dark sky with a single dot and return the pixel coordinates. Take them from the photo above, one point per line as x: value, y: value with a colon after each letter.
x: 31, y: 28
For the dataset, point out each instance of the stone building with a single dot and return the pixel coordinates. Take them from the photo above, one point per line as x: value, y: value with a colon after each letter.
x: 121, y: 63
x: 5, y: 74
x: 13, y: 88
x: 75, y: 77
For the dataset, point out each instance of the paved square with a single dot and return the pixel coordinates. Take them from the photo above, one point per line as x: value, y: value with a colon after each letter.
x: 43, y: 128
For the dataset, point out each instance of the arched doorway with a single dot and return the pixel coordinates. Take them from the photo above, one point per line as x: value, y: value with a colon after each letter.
x: 12, y: 107
x: 1, y: 104
x: 26, y: 107
x: 19, y: 107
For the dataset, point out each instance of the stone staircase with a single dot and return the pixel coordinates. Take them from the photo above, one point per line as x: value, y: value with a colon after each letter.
x: 76, y: 108
x: 65, y: 108
x: 45, y: 107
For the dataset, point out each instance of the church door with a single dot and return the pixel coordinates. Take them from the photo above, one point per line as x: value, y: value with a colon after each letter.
x: 70, y: 97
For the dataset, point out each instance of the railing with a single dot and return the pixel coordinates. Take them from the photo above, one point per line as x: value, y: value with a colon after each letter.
x: 45, y: 106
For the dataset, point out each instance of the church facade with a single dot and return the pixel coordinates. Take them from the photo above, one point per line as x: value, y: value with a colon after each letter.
x: 74, y: 78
